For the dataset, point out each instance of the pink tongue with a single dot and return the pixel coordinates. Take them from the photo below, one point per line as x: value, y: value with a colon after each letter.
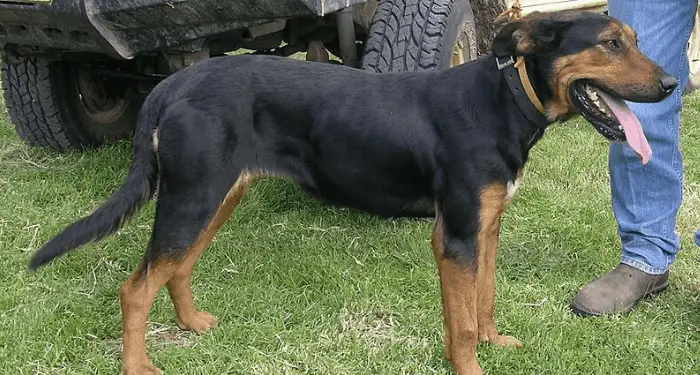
x: 630, y: 123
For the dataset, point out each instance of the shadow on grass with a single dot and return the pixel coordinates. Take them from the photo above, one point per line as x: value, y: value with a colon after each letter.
x: 278, y: 196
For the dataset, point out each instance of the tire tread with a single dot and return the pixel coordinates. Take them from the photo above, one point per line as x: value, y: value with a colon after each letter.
x: 406, y: 35
x: 31, y: 105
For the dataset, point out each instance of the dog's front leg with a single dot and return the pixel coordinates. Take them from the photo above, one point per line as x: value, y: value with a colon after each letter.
x: 458, y: 284
x: 493, y: 201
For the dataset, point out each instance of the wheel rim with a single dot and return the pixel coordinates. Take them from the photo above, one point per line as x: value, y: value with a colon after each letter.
x: 465, y: 49
x: 458, y: 54
x: 694, y: 48
x: 101, y: 101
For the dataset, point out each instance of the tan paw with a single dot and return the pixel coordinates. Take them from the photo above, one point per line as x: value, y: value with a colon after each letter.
x: 467, y: 367
x: 500, y: 340
x: 199, y: 322
x: 140, y: 369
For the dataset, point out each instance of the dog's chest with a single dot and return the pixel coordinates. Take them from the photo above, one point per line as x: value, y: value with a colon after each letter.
x: 512, y: 186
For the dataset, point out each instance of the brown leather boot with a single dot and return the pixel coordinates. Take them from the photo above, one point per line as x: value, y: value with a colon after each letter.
x: 617, y: 292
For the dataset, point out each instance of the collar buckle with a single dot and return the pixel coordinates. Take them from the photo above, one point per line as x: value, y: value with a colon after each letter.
x: 508, y: 62
x: 522, y: 90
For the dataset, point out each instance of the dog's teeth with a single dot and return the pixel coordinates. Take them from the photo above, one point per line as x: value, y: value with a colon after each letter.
x: 593, y: 95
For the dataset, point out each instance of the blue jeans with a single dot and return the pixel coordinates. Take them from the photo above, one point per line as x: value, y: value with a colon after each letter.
x: 646, y: 198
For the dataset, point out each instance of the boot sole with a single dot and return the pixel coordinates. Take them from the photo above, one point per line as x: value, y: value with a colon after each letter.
x: 582, y: 311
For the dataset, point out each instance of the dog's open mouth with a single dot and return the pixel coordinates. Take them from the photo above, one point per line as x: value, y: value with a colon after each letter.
x: 610, y: 116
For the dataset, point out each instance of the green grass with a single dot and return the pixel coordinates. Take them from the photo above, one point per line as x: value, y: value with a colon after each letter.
x: 300, y: 288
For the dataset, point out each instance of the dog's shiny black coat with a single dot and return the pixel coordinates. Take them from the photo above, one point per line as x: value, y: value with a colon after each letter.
x: 392, y: 144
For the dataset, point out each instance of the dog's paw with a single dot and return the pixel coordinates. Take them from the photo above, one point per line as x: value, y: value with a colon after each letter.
x: 489, y: 333
x: 504, y: 341
x: 140, y: 369
x: 467, y: 367
x: 199, y: 322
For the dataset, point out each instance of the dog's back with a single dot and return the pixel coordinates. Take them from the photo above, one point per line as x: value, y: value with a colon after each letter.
x: 321, y: 125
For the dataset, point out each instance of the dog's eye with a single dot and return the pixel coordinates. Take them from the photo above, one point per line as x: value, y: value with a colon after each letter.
x: 612, y: 44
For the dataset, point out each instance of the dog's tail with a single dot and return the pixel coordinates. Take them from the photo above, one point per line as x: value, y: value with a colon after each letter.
x: 135, y: 192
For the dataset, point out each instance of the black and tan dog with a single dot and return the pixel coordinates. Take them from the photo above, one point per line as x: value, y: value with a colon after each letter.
x: 449, y: 143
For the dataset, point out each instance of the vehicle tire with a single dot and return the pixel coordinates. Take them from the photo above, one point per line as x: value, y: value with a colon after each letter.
x: 61, y: 106
x: 694, y: 57
x: 408, y: 35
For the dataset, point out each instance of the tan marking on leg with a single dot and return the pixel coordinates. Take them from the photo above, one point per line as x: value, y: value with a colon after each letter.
x: 137, y: 293
x: 188, y: 317
x: 438, y: 240
x: 136, y: 297
x: 458, y: 286
x: 492, y: 203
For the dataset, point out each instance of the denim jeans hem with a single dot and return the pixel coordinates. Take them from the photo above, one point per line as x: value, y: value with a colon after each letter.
x: 642, y: 266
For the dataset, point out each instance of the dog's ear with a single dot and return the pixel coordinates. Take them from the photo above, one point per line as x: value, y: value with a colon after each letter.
x: 535, y: 33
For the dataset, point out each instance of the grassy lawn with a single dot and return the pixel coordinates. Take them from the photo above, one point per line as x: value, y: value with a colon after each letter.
x: 300, y: 288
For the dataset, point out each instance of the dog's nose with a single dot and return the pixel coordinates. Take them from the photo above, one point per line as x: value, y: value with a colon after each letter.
x: 668, y: 83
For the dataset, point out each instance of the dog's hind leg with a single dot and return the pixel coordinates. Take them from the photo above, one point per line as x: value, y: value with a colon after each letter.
x: 136, y: 296
x: 186, y: 222
x: 492, y: 204
x: 188, y: 317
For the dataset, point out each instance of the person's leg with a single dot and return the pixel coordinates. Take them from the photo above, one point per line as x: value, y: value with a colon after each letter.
x: 646, y: 198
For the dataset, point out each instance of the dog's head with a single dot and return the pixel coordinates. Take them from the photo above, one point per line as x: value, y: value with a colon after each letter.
x: 587, y: 63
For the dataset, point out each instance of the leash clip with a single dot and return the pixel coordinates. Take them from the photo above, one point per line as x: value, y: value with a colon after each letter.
x: 505, y: 64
